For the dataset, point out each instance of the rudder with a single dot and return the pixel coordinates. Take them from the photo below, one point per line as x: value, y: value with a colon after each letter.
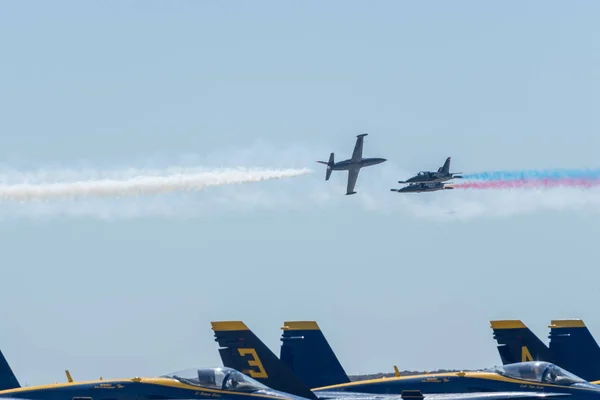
x: 305, y: 350
x: 242, y: 350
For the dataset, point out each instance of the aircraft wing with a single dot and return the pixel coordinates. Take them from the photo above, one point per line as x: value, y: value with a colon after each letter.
x: 358, y: 147
x: 352, y: 177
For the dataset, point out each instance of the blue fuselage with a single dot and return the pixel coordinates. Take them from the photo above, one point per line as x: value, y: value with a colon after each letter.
x: 131, y: 389
x: 455, y: 383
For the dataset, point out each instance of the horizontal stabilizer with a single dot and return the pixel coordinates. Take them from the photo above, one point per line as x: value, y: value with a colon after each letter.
x: 350, y: 193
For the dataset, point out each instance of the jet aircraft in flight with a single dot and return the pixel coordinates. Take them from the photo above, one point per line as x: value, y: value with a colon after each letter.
x: 422, y: 187
x: 352, y: 165
x: 441, y: 175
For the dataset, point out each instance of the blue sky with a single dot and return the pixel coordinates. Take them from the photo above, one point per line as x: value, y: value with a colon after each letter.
x: 128, y: 287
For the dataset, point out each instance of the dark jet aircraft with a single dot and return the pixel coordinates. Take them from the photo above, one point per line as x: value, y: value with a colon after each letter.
x: 443, y: 174
x: 352, y: 165
x: 422, y: 187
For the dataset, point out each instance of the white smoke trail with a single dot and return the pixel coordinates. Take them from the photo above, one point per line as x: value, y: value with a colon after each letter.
x: 140, y: 184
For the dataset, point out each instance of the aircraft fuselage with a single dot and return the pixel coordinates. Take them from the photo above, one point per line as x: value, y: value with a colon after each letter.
x: 349, y: 164
x: 430, y: 179
x: 455, y: 383
x: 128, y: 389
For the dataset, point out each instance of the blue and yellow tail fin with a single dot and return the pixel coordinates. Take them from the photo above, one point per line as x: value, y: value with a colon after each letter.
x: 574, y: 348
x: 242, y: 350
x: 8, y: 380
x: 517, y: 343
x: 305, y: 350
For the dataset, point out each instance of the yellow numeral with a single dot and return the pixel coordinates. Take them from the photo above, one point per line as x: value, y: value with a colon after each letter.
x: 525, y: 354
x: 254, y: 362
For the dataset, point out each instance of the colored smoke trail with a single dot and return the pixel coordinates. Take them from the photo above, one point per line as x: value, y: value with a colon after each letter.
x: 138, y: 185
x: 535, y: 174
x: 529, y: 184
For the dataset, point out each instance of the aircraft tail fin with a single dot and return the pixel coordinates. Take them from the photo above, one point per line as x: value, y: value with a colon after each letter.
x: 573, y: 347
x: 8, y: 380
x: 329, y: 166
x: 305, y: 350
x: 242, y: 350
x: 445, y: 169
x: 517, y: 343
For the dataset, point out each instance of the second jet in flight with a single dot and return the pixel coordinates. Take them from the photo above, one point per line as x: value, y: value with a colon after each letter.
x: 352, y: 165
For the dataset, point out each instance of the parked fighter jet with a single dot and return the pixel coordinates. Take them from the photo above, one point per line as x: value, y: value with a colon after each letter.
x: 242, y: 350
x: 196, y: 384
x: 443, y: 174
x: 352, y: 165
x: 422, y: 187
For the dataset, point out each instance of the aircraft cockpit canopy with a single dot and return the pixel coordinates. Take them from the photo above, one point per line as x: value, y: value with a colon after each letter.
x: 218, y: 379
x: 539, y: 371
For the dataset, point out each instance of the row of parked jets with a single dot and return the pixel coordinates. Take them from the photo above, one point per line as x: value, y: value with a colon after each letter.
x: 308, y: 369
x: 424, y: 181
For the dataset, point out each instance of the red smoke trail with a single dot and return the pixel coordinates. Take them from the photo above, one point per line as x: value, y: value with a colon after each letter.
x: 528, y: 184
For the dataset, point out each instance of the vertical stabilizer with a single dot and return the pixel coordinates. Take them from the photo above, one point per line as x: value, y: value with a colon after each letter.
x: 573, y: 347
x: 517, y: 343
x: 305, y: 350
x: 329, y: 166
x: 242, y: 350
x: 445, y: 169
x: 8, y: 380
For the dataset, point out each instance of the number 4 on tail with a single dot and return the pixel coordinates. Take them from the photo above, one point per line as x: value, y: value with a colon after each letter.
x: 525, y: 354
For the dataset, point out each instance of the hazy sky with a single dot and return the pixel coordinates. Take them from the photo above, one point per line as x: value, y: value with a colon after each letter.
x: 126, y: 287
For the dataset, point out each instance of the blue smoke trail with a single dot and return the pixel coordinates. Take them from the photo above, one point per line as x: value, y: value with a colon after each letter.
x: 535, y: 174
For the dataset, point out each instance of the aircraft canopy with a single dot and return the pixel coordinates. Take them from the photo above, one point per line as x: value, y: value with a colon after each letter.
x: 539, y: 371
x: 218, y: 378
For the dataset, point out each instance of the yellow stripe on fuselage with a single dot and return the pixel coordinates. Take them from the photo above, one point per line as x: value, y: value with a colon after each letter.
x: 472, y: 375
x: 64, y: 385
x: 148, y: 381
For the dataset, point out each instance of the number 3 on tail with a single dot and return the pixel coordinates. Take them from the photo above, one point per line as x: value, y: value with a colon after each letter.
x: 254, y: 362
